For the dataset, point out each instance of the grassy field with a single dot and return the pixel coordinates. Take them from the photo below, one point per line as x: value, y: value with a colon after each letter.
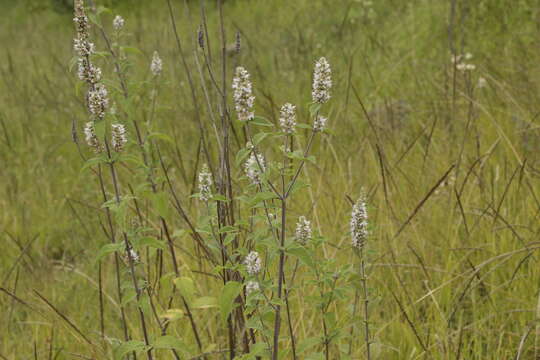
x: 449, y: 159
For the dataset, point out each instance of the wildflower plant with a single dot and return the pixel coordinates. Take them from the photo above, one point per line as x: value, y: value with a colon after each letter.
x: 253, y: 256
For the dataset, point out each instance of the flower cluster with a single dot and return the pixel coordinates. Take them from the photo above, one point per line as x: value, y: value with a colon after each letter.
x: 482, y: 82
x: 287, y: 118
x: 82, y: 46
x: 461, y: 65
x: 88, y: 72
x: 253, y: 263
x: 119, y: 137
x: 303, y: 230
x: 97, y: 97
x: 252, y: 286
x: 91, y: 137
x: 205, y: 183
x: 118, y: 23
x: 98, y: 100
x: 81, y: 20
x: 254, y: 167
x: 322, y: 81
x: 133, y: 255
x: 156, y: 65
x: 242, y: 94
x: 319, y: 124
x: 359, y: 223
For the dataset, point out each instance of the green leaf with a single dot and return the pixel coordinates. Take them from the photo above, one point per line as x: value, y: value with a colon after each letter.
x: 102, y: 9
x: 314, y: 108
x: 172, y: 314
x: 315, y: 356
x: 130, y: 158
x: 241, y: 156
x: 227, y: 228
x: 161, y: 136
x: 261, y: 196
x: 204, y: 302
x: 131, y: 49
x: 169, y: 342
x: 186, y: 287
x: 308, y: 344
x: 259, y: 120
x: 219, y: 197
x: 259, y: 137
x: 230, y: 292
x: 302, y: 254
x: 94, y: 161
x: 161, y: 204
x: 107, y: 249
x: 150, y: 242
x: 127, y: 347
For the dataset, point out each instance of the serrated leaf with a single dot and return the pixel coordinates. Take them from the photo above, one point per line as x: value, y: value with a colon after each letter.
x: 258, y: 138
x: 228, y: 295
x: 241, y: 155
x: 94, y: 161
x: 302, y: 254
x: 108, y: 249
x: 259, y: 120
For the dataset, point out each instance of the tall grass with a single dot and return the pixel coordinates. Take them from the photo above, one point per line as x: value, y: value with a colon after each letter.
x: 450, y: 169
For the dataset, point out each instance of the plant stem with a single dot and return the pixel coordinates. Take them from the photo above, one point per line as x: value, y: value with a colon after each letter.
x: 277, y: 323
x: 130, y: 257
x: 366, y: 304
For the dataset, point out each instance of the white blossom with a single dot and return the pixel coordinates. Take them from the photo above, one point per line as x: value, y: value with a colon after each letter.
x: 131, y: 253
x: 205, y: 183
x: 253, y: 167
x: 157, y: 65
x: 88, y: 72
x: 83, y: 47
x: 242, y: 94
x: 252, y: 286
x: 91, y: 137
x: 118, y: 22
x: 359, y: 223
x: 119, y: 137
x: 253, y: 263
x: 482, y: 82
x: 319, y: 124
x: 303, y: 230
x: 98, y: 100
x: 287, y: 118
x: 461, y: 65
x: 322, y: 81
x: 81, y: 20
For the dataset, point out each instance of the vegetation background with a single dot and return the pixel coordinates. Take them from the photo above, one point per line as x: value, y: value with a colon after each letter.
x: 455, y: 270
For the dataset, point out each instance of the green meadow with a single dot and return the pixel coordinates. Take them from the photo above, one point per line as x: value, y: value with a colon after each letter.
x: 434, y: 115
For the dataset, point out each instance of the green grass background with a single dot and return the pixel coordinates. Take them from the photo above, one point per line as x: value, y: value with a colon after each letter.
x: 465, y: 269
